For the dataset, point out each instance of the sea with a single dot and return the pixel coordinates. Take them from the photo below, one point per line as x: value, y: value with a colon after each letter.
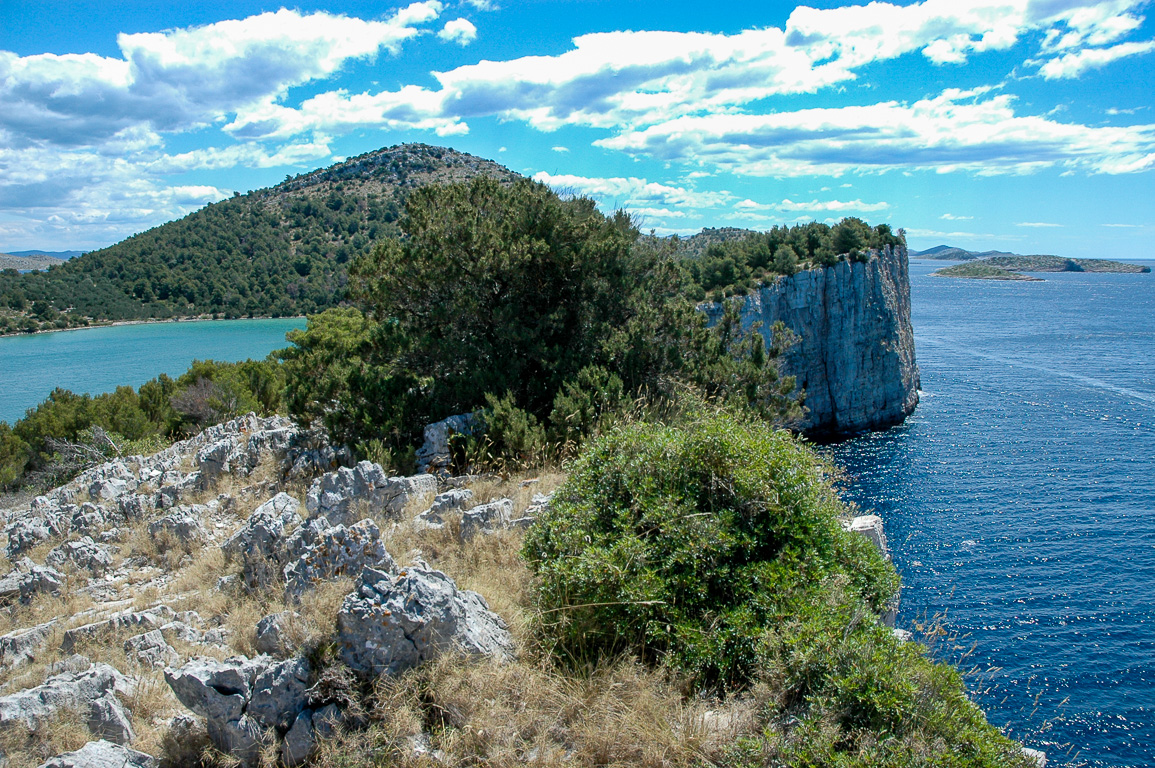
x: 1019, y: 498
x: 1019, y: 503
x: 96, y: 360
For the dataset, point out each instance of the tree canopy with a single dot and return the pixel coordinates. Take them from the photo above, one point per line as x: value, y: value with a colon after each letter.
x: 509, y: 293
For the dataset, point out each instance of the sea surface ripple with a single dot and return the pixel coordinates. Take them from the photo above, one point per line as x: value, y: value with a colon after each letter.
x: 1019, y: 501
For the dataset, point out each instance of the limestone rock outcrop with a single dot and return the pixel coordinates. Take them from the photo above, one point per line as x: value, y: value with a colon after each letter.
x: 102, y: 754
x: 349, y: 494
x: 854, y: 356
x: 391, y: 623
x: 434, y: 454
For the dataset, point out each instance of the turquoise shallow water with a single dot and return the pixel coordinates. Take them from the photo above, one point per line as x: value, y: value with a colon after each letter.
x: 96, y: 360
x: 1019, y: 501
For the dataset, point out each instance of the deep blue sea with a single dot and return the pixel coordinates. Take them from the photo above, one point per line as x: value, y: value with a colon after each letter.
x: 1019, y: 501
x: 96, y: 360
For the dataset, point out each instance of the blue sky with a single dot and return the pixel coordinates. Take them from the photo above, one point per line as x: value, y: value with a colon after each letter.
x: 1022, y: 125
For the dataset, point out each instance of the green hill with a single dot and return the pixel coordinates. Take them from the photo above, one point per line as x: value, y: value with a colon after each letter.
x: 279, y: 251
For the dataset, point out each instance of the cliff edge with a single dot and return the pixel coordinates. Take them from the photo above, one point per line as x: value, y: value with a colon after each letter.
x: 855, y: 352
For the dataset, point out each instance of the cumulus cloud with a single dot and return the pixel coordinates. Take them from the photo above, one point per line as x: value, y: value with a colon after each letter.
x: 636, y: 193
x: 1075, y: 64
x: 957, y: 130
x: 184, y: 78
x: 790, y: 206
x: 460, y: 31
x: 952, y: 217
x: 96, y: 199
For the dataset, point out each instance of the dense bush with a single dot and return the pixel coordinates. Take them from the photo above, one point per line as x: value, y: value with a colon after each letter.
x: 713, y: 545
x: 734, y: 261
x: 687, y: 542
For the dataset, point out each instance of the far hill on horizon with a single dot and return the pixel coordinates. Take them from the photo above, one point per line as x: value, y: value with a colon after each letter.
x: 952, y: 253
x: 22, y: 260
x: 63, y: 255
x: 281, y: 251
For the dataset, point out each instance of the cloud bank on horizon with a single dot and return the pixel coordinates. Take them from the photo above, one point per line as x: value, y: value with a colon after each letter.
x: 986, y: 111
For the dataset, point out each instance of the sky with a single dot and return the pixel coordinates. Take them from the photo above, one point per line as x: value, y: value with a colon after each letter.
x: 1018, y: 125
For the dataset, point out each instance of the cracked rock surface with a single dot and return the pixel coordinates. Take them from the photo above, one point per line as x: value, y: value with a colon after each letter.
x: 392, y: 623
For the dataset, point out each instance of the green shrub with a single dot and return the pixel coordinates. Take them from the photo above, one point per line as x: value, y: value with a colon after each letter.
x: 688, y: 542
x: 712, y: 544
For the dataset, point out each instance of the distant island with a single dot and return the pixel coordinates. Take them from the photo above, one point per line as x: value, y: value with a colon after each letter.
x: 22, y: 262
x: 951, y: 253
x: 1000, y: 265
x: 982, y: 271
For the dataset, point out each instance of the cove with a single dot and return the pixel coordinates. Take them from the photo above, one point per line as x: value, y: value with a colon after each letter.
x: 96, y: 360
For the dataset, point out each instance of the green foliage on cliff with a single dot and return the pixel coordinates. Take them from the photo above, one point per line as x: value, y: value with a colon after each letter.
x: 734, y: 261
x: 506, y: 297
x: 711, y: 544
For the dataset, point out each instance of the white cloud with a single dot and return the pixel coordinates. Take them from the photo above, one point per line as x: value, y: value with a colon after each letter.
x: 632, y: 192
x: 560, y: 149
x: 1035, y: 224
x: 1074, y: 64
x: 249, y: 155
x: 460, y: 31
x: 790, y: 206
x: 958, y: 130
x: 184, y: 78
x: 95, y: 199
x: 336, y: 112
x: 952, y: 217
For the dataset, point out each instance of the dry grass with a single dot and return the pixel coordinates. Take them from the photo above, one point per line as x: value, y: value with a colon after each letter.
x: 524, y: 713
x: 28, y: 748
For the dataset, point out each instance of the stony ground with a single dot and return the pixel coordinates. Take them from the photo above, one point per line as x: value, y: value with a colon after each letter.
x: 217, y: 598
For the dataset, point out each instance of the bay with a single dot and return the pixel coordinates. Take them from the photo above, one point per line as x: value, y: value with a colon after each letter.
x: 1019, y: 500
x: 96, y: 360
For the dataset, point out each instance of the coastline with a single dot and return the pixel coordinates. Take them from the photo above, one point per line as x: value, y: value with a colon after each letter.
x: 152, y: 321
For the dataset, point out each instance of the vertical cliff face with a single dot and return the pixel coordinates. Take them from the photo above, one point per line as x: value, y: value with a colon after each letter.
x: 855, y: 352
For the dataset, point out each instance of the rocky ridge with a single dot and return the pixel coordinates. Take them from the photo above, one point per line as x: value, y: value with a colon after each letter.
x: 129, y: 582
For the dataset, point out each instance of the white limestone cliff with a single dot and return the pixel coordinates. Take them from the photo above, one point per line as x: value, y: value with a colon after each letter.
x: 854, y: 356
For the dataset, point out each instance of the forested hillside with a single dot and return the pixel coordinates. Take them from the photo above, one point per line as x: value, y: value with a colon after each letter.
x: 273, y: 252
x: 285, y: 250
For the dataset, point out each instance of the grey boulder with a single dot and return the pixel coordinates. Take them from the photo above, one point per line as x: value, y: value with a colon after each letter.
x: 151, y: 648
x: 92, y: 690
x: 245, y: 702
x: 84, y: 554
x: 184, y: 524
x: 260, y: 542
x: 320, y: 552
x: 102, y: 754
x: 349, y: 494
x: 392, y: 623
x: 486, y: 519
